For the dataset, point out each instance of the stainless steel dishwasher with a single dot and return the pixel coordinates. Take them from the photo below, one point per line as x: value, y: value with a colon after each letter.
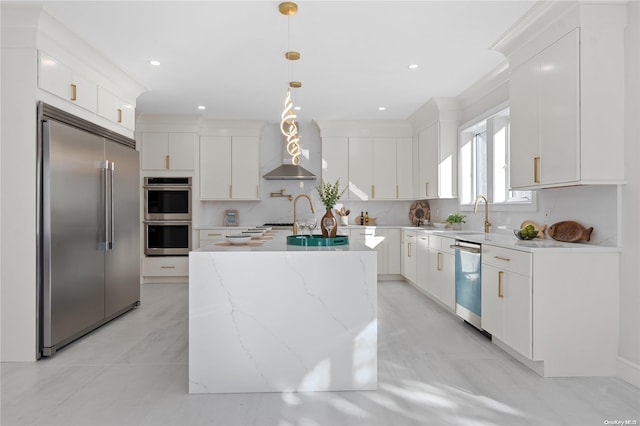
x: 468, y: 281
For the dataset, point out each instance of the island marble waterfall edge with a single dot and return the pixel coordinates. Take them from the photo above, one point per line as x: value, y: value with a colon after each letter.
x: 282, y: 321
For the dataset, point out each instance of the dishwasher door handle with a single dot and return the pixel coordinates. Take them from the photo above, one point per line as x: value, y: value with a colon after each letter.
x: 465, y: 248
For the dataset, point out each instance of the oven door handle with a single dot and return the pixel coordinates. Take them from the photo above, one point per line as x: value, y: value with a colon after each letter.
x: 465, y: 248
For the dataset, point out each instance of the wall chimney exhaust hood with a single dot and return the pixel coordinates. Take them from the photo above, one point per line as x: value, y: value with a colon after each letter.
x: 289, y: 172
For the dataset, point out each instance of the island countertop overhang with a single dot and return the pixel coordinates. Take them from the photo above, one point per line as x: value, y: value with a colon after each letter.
x: 278, y: 243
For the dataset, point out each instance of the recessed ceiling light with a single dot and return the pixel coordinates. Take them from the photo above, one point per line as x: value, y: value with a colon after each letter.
x: 155, y: 63
x: 413, y: 66
x: 202, y: 107
x: 382, y: 108
x: 297, y: 108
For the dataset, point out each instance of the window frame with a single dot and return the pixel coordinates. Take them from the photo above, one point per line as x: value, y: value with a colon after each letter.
x: 466, y: 133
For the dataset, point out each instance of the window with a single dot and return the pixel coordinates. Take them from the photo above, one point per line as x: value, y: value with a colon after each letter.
x: 484, y: 163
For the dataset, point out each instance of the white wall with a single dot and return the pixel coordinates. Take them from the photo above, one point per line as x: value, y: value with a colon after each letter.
x: 280, y: 209
x: 18, y: 191
x: 629, y: 341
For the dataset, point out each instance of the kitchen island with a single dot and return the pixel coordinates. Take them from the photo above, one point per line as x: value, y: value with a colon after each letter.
x: 270, y: 317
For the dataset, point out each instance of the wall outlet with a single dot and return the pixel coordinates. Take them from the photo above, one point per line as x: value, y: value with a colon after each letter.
x: 547, y: 212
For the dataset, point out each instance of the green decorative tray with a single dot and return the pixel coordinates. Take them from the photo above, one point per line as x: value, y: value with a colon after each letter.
x: 317, y: 240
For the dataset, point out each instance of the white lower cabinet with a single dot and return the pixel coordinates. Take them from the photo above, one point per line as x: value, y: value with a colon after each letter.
x: 409, y: 255
x: 211, y: 236
x: 386, y: 242
x: 165, y: 266
x: 436, y: 268
x: 422, y: 260
x: 506, y: 297
x: 441, y: 271
x: 553, y: 310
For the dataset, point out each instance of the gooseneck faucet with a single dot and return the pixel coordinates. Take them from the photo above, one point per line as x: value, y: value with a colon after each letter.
x: 487, y: 224
x: 295, y: 215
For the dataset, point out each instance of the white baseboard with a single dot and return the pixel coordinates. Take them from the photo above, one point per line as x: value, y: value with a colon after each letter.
x: 628, y: 371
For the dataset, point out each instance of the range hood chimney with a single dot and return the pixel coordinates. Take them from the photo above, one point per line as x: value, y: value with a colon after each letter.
x: 288, y: 171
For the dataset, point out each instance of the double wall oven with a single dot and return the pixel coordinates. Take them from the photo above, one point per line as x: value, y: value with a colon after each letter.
x: 167, y: 216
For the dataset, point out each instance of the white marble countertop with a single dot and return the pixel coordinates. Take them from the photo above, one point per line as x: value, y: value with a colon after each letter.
x: 500, y: 239
x: 279, y: 243
x: 506, y: 240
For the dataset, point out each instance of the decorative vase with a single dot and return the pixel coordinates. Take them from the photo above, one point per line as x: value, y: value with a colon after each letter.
x: 325, y: 232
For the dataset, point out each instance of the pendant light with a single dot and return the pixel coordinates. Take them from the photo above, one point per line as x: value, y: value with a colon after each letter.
x: 288, y: 124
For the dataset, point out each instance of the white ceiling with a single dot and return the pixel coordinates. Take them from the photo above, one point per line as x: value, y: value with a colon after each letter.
x: 229, y: 55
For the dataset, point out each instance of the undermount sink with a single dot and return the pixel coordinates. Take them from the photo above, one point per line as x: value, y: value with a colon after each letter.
x: 317, y: 240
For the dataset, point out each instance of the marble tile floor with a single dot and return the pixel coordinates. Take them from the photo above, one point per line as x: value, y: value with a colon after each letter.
x: 433, y: 370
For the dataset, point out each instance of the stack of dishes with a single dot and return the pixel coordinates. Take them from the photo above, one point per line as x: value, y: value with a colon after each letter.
x: 253, y: 233
x: 237, y: 239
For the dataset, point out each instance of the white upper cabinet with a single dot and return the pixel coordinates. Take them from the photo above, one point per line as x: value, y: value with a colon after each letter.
x: 60, y: 80
x: 404, y: 168
x: 229, y: 168
x: 566, y: 97
x: 245, y: 168
x: 168, y: 151
x: 427, y: 185
x: 215, y: 167
x: 74, y: 87
x: 373, y: 159
x: 545, y: 121
x: 384, y: 167
x: 335, y: 160
x: 435, y: 153
x: 360, y: 172
x: 115, y: 109
x: 392, y: 169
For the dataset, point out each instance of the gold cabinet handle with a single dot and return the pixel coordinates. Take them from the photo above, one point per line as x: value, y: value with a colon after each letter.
x: 426, y: 188
x: 119, y: 115
x: 167, y: 162
x: 506, y: 259
x: 500, y: 274
x: 257, y: 191
x: 230, y: 191
x: 373, y: 191
x: 73, y: 92
x: 214, y: 235
x: 168, y: 267
x: 439, y: 262
x: 423, y: 238
x: 397, y: 191
x: 409, y: 249
x: 536, y: 169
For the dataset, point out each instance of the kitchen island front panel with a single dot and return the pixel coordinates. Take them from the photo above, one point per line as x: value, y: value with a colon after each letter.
x: 277, y: 320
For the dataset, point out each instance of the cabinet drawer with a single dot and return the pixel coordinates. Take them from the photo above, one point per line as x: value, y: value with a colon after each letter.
x: 165, y: 266
x: 442, y: 244
x: 506, y: 259
x: 214, y: 234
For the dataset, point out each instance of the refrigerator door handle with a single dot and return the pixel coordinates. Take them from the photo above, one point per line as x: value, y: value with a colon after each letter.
x: 103, y: 244
x: 111, y: 202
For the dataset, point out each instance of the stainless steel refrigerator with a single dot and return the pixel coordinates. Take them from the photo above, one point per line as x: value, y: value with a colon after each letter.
x: 89, y: 240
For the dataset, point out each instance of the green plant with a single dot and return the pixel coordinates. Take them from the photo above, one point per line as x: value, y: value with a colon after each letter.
x: 456, y: 218
x: 330, y: 194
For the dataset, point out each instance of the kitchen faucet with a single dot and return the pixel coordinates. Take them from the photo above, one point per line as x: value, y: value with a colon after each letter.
x: 487, y: 224
x: 295, y: 216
